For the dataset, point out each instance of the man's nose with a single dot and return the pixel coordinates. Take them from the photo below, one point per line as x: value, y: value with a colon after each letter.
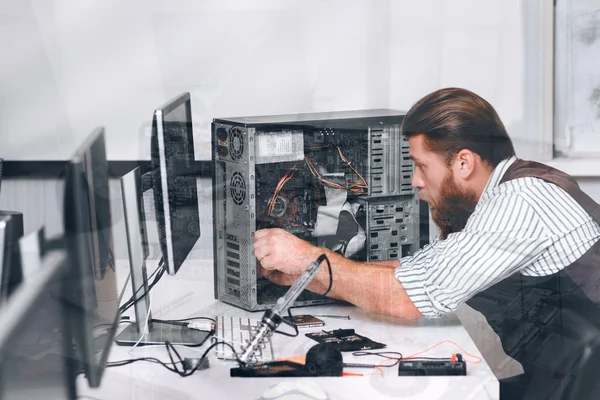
x: 417, y: 181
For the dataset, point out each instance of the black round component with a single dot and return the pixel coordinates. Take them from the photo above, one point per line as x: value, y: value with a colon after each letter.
x: 222, y: 134
x: 272, y: 319
x: 222, y: 151
x: 324, y: 360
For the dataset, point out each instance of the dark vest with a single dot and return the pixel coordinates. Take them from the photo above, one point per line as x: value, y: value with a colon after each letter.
x: 548, y: 323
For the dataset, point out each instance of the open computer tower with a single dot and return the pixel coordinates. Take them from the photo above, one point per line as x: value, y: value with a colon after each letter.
x: 340, y: 180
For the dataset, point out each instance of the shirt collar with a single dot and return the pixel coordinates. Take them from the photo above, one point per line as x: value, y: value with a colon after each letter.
x: 498, y: 173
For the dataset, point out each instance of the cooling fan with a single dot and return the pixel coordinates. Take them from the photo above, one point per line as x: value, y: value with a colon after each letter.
x: 236, y: 143
x: 237, y: 188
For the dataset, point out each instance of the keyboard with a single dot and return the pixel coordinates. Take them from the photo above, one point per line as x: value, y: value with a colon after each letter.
x: 238, y: 331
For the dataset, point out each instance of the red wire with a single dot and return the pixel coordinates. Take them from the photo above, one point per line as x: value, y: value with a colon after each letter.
x: 448, y: 341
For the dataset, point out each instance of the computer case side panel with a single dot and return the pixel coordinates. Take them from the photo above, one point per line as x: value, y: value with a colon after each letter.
x: 234, y: 216
x: 216, y: 199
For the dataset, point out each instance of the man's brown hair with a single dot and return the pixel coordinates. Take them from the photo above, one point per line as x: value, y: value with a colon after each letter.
x: 454, y: 119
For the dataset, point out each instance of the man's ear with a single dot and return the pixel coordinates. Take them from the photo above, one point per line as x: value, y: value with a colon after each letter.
x: 464, y: 164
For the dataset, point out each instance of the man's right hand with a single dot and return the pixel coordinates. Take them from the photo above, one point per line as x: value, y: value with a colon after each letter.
x: 276, y: 249
x: 278, y: 277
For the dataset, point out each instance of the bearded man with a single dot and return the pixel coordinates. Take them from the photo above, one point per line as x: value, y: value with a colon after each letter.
x: 519, y: 241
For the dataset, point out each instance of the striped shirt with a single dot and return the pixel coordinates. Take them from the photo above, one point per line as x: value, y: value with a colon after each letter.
x: 526, y: 224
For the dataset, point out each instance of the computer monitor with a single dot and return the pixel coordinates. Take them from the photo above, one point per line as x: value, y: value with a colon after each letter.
x: 175, y: 189
x: 35, y: 340
x: 93, y: 296
x: 145, y: 330
x: 11, y: 229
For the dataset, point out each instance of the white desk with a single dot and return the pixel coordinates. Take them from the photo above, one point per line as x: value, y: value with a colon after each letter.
x: 190, y: 293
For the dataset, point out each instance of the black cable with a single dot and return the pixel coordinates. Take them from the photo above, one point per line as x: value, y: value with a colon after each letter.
x: 121, y: 363
x: 158, y: 274
x: 125, y: 306
x: 171, y: 348
x: 173, y: 365
x: 185, y: 372
x: 291, y: 323
x: 210, y: 334
x: 237, y: 358
x: 131, y: 302
x: 320, y: 260
x: 183, y: 320
x: 384, y: 354
x: 394, y: 355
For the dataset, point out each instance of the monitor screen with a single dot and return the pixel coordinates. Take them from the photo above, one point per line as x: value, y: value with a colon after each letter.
x: 175, y: 190
x: 93, y: 294
x: 35, y: 341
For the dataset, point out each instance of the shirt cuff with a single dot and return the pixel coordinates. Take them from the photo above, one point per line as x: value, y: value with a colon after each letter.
x: 412, y: 279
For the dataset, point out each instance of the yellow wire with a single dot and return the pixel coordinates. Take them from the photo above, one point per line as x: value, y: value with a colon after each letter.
x: 278, y: 188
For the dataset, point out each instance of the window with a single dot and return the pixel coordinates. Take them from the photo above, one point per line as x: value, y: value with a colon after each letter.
x: 562, y: 84
x: 577, y: 79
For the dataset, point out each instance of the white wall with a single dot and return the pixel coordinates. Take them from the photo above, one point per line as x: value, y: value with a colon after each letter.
x: 70, y: 66
x: 75, y: 65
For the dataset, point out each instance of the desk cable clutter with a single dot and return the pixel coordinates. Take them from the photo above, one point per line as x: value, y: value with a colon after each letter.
x: 323, y: 362
x: 273, y: 317
x: 324, y: 359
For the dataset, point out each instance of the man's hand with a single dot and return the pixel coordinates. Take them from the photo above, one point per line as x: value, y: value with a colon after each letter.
x: 371, y: 286
x: 276, y: 249
x: 278, y: 277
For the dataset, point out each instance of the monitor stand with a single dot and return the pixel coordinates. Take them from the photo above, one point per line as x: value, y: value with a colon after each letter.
x: 156, y: 333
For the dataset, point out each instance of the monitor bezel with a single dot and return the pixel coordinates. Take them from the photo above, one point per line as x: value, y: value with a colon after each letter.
x: 84, y: 295
x: 162, y: 208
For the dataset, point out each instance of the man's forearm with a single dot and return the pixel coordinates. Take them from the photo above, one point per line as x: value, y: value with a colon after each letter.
x: 371, y: 286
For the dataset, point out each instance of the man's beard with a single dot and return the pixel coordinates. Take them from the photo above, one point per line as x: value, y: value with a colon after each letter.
x: 454, y: 207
